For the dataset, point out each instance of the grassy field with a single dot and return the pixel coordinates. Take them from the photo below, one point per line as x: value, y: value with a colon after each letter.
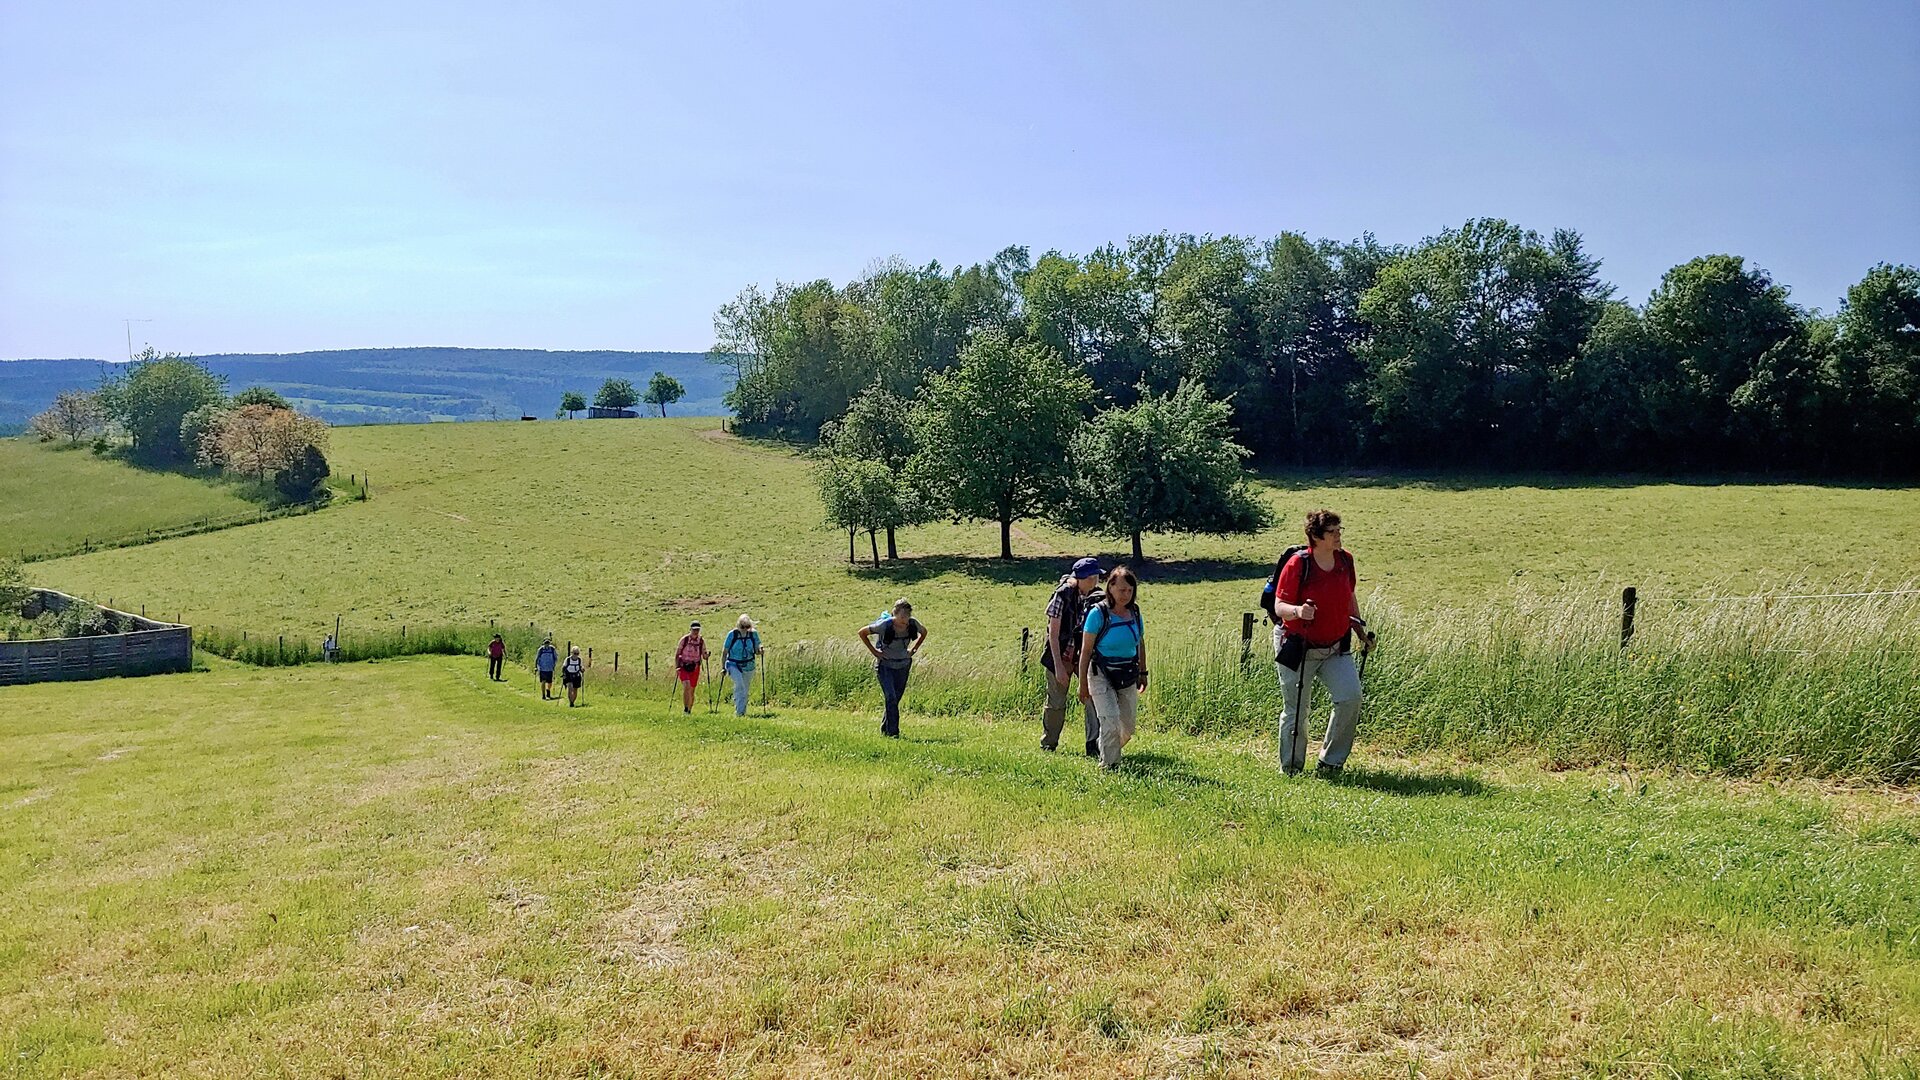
x: 615, y: 534
x: 54, y: 499
x: 401, y: 868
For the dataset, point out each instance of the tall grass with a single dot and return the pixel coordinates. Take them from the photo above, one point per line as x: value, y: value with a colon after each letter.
x: 270, y: 650
x: 1810, y: 688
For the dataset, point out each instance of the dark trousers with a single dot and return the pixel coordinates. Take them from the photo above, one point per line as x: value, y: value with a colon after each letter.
x: 893, y: 687
x: 495, y: 664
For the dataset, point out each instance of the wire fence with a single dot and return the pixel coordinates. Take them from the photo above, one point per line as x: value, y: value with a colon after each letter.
x: 1800, y: 686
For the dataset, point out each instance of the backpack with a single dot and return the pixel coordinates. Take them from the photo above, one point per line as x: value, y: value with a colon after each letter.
x: 1271, y: 591
x: 1073, y: 612
x: 888, y: 634
x: 688, y: 656
x: 735, y: 637
x: 573, y: 666
x: 1122, y: 673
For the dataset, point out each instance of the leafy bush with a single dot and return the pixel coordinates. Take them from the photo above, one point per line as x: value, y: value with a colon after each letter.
x: 13, y: 587
x: 302, y: 478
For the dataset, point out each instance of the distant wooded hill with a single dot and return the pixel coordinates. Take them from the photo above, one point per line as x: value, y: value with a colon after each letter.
x: 401, y: 386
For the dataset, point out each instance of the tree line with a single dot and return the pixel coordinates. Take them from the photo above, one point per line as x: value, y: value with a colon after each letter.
x: 1479, y: 347
x: 662, y: 391
x: 172, y: 412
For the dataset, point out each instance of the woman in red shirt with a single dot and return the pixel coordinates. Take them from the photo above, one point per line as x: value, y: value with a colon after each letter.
x: 1315, y: 601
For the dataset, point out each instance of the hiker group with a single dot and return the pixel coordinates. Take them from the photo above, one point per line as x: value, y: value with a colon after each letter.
x: 1096, y: 639
x: 1096, y: 635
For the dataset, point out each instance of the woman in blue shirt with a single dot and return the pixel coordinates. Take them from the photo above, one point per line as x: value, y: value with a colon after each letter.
x: 1113, y: 645
x: 740, y: 649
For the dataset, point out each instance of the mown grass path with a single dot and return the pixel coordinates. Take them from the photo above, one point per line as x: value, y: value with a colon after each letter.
x: 400, y: 867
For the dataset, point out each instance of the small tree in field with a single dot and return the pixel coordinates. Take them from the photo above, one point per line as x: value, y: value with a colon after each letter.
x: 995, y: 432
x: 572, y: 402
x: 260, y: 440
x: 74, y: 414
x: 664, y: 390
x: 877, y: 427
x: 152, y: 396
x: 861, y: 495
x: 13, y: 587
x: 616, y: 394
x: 1167, y: 465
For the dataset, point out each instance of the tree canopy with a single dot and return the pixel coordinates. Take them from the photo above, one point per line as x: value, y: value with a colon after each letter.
x: 663, y: 390
x: 150, y: 398
x: 1167, y: 464
x: 617, y: 394
x: 995, y: 432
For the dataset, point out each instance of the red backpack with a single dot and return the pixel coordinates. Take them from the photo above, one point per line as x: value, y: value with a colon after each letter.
x: 690, y: 653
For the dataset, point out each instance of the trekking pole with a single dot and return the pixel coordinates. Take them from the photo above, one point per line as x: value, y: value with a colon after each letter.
x: 1300, y: 715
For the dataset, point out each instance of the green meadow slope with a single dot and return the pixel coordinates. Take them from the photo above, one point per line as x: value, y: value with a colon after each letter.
x: 401, y: 868
x: 53, y: 498
x: 615, y: 533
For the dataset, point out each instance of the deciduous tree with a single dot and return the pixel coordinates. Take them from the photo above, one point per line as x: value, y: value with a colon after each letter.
x: 617, y: 394
x: 1167, y: 464
x: 663, y: 390
x: 152, y: 395
x: 995, y: 432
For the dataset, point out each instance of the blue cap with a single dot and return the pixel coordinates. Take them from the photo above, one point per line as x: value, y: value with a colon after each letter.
x: 1086, y: 568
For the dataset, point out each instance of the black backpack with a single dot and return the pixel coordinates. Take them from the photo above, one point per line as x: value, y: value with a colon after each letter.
x: 1271, y: 591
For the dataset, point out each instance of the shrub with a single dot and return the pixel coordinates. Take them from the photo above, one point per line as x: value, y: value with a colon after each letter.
x: 302, y: 479
x: 13, y: 587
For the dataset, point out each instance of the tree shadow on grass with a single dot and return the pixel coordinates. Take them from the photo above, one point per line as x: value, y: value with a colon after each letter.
x: 1403, y: 782
x: 1047, y: 569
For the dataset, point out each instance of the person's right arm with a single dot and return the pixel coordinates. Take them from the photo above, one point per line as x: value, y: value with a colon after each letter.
x: 1301, y: 612
x: 866, y: 638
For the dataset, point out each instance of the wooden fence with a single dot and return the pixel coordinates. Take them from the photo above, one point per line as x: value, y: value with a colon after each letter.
x: 151, y: 648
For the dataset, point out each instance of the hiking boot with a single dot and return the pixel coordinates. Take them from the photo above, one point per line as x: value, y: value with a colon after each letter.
x: 1290, y: 770
x: 1325, y: 771
x: 1048, y: 748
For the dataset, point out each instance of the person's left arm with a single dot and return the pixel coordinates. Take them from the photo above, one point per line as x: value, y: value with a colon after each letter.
x: 1143, y: 658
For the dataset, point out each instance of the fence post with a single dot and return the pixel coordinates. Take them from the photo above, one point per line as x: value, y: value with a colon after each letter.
x: 1246, y: 638
x: 616, y: 661
x: 1629, y: 599
x: 283, y: 646
x: 646, y: 665
x: 1026, y: 634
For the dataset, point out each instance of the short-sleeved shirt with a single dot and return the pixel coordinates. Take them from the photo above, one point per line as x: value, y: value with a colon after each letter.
x: 1331, y: 592
x: 740, y: 647
x: 894, y: 653
x: 1070, y: 607
x: 496, y: 648
x: 546, y: 658
x: 1122, y: 642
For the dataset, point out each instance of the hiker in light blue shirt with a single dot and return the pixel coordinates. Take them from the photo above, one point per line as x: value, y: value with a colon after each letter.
x: 544, y: 662
x: 1113, y: 662
x: 739, y: 651
x: 901, y: 636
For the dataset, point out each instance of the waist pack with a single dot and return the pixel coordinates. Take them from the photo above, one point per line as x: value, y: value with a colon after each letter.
x: 1119, y: 673
x: 1293, y: 649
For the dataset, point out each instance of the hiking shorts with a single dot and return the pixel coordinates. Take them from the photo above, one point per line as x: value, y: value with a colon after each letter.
x: 690, y: 676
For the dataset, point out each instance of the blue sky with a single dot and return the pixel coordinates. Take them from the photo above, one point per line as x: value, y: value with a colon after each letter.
x: 266, y: 177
